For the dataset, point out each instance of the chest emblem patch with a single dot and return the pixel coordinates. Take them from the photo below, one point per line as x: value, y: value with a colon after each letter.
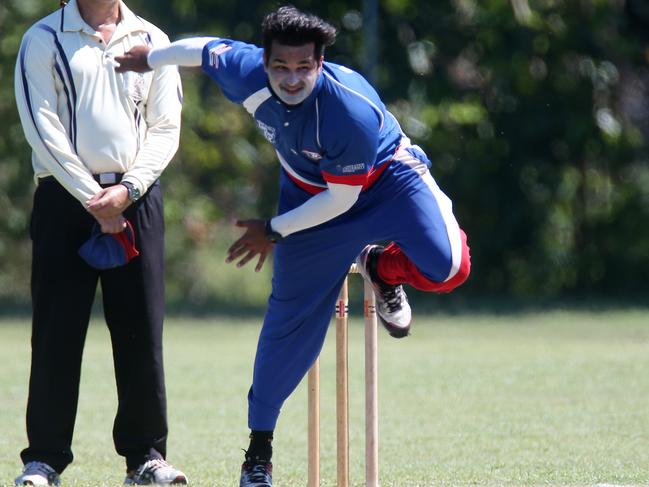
x: 268, y: 131
x: 311, y: 155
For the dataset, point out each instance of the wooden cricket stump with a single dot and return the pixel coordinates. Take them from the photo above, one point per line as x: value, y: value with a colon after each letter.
x: 342, y: 395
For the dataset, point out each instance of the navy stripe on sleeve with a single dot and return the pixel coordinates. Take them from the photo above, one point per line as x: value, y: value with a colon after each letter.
x: 30, y: 109
x: 68, y: 71
x: 67, y: 98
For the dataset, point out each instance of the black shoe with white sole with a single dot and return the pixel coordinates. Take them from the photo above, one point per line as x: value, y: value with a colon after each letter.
x: 256, y: 474
x: 391, y: 301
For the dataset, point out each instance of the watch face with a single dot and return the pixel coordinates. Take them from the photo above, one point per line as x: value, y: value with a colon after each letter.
x: 271, y: 234
x: 133, y: 192
x: 275, y: 237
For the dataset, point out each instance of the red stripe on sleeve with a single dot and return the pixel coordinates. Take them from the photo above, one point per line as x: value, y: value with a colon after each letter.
x: 309, y: 188
x: 352, y: 180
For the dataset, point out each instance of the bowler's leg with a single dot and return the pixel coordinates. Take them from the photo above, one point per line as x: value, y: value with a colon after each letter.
x: 308, y: 273
x: 429, y: 250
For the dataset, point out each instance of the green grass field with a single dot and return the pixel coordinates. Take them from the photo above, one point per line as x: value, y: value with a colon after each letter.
x: 556, y: 398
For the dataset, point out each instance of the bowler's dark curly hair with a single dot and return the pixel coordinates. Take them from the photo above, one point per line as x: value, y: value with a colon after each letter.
x: 291, y: 27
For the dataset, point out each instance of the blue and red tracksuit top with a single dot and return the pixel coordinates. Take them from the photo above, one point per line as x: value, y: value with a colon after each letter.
x: 342, y: 133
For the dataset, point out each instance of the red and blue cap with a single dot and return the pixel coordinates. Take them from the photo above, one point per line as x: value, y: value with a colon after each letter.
x: 108, y: 250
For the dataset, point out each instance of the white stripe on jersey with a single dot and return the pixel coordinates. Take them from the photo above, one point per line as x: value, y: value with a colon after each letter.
x: 317, y: 124
x: 372, y: 104
x: 443, y: 202
x: 295, y: 175
x: 253, y: 101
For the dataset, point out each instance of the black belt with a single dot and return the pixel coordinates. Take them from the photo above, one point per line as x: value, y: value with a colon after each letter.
x: 104, y: 178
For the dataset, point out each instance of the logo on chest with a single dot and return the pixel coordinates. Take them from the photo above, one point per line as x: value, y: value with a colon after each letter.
x: 314, y: 156
x: 268, y: 131
x: 353, y: 168
x: 135, y: 85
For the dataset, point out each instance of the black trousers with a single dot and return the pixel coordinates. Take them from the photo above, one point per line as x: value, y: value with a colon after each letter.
x: 63, y: 291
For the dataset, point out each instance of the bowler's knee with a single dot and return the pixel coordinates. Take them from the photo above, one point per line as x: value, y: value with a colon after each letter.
x: 464, y: 269
x: 457, y: 276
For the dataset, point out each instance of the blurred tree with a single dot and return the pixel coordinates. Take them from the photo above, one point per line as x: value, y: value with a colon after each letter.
x: 16, y: 174
x: 534, y: 112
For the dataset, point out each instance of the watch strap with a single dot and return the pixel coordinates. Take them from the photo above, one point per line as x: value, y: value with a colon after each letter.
x: 133, y: 192
x: 271, y: 234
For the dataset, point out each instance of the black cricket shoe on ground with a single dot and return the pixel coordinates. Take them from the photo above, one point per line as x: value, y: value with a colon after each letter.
x: 391, y: 301
x: 256, y: 474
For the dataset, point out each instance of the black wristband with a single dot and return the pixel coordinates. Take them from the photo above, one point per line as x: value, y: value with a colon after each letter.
x: 271, y: 234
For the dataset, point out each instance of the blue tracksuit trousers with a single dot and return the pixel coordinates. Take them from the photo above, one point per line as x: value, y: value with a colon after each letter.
x: 405, y: 206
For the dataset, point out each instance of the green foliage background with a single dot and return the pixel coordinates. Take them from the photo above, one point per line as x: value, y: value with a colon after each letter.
x: 534, y: 112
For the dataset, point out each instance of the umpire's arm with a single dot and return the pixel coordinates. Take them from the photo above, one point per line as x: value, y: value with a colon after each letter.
x: 36, y: 99
x: 162, y: 114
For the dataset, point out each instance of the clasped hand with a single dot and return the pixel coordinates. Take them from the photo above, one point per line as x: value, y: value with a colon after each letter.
x: 107, y: 207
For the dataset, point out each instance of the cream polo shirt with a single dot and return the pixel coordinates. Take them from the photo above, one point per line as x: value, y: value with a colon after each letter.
x: 81, y: 117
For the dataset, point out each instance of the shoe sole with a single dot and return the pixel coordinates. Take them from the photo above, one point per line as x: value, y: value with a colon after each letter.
x: 29, y: 482
x: 180, y: 480
x: 393, y: 330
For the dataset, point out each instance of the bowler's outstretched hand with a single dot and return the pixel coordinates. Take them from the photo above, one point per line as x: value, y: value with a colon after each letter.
x: 252, y: 243
x: 134, y: 60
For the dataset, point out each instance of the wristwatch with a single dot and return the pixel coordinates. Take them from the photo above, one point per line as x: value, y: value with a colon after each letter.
x: 133, y: 191
x: 271, y: 235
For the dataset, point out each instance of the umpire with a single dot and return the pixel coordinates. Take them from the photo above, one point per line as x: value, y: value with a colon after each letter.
x: 99, y: 141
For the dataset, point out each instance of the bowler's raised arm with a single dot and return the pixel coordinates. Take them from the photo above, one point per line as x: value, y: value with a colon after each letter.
x: 185, y: 52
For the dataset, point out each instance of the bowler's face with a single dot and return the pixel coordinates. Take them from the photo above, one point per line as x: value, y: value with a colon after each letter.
x: 292, y: 71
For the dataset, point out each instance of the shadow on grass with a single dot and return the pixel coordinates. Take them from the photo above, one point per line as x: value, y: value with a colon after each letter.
x: 22, y: 310
x: 457, y: 303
